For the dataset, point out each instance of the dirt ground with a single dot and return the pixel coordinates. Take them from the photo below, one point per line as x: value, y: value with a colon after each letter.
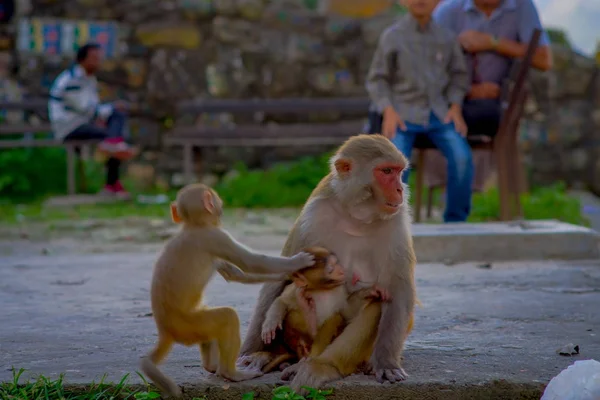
x: 75, y: 300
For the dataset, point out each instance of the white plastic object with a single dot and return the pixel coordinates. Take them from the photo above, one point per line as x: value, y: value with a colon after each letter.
x: 579, y: 381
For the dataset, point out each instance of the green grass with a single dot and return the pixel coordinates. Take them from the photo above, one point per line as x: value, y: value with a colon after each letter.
x: 44, y: 388
x: 285, y: 185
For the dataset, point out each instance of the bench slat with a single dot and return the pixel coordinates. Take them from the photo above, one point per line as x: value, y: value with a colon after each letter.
x: 8, y: 129
x: 267, y: 132
x: 259, y: 142
x: 278, y: 106
x: 8, y: 144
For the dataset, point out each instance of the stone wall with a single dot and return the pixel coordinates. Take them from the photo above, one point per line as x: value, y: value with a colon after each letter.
x: 172, y: 50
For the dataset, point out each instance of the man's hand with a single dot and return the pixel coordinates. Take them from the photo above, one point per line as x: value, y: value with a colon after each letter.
x: 391, y: 122
x: 455, y: 115
x: 121, y: 105
x: 485, y: 90
x: 474, y: 42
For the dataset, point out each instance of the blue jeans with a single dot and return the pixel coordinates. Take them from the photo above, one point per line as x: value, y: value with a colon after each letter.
x: 114, y: 129
x: 457, y: 152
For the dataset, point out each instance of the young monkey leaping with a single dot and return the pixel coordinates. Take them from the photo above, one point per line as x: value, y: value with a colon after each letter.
x: 181, y: 273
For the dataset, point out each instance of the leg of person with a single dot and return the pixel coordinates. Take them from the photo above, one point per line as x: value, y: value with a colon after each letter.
x: 92, y: 132
x: 115, y: 143
x: 460, y: 169
x: 482, y: 116
x: 404, y: 141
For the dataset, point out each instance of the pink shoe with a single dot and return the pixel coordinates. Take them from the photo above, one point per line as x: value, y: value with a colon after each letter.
x: 120, y: 191
x: 117, y: 148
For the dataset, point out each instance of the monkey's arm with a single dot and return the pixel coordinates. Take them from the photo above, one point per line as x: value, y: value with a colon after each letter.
x: 224, y: 246
x: 274, y: 318
x: 231, y: 273
x: 393, y: 327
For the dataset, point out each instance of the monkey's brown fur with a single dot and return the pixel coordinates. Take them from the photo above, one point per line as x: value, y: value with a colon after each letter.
x: 300, y: 324
x: 181, y: 273
x: 360, y: 212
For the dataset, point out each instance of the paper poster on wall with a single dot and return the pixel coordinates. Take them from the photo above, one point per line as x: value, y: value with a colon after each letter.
x: 63, y: 37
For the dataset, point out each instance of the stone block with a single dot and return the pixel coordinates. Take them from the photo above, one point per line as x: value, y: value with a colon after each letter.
x: 169, y: 34
x: 245, y: 35
x: 142, y: 175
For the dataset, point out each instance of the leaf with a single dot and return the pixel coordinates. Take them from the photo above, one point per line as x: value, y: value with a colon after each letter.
x: 248, y: 396
x: 282, y: 389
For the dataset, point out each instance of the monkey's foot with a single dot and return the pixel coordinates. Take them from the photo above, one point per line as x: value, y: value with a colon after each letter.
x: 365, y: 368
x: 239, y: 375
x: 290, y: 371
x: 255, y: 361
x: 173, y: 391
x: 392, y: 375
x: 210, y: 369
x: 313, y: 374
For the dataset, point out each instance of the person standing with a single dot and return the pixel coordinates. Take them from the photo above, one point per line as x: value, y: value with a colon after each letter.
x: 423, y: 95
x: 76, y: 113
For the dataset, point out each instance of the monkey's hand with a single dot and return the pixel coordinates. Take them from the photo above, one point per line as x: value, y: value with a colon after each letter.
x: 269, y: 330
x: 379, y: 293
x: 302, y: 260
x: 389, y: 371
x: 255, y: 360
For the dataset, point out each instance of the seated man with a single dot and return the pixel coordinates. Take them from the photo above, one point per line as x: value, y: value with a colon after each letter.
x: 492, y: 33
x: 423, y: 95
x: 76, y: 114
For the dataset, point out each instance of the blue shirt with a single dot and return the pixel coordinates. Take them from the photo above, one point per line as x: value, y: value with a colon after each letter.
x: 513, y: 20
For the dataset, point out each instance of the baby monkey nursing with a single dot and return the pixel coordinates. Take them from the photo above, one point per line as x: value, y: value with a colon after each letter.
x: 182, y: 271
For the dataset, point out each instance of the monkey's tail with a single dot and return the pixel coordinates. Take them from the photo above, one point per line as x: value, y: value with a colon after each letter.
x: 274, y: 363
x: 162, y: 381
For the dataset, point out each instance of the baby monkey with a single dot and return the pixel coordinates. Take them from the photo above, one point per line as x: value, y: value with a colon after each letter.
x: 311, y: 310
x: 182, y: 271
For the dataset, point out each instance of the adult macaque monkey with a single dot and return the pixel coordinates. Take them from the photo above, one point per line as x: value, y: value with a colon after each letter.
x: 360, y: 212
x: 181, y: 273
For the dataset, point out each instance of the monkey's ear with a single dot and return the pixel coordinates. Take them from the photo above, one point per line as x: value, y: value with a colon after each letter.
x: 209, y: 202
x: 175, y: 214
x: 343, y: 166
x: 299, y: 280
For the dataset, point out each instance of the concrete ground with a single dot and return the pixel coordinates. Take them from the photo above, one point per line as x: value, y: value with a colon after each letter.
x: 79, y: 305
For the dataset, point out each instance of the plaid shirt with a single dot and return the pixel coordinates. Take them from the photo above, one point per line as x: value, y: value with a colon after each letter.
x: 430, y: 73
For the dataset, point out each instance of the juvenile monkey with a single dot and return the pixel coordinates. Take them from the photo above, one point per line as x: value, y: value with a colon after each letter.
x: 360, y: 212
x: 182, y: 271
x: 312, y: 307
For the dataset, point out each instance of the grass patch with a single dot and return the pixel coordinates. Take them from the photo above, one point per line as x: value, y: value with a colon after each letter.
x: 44, y: 388
x: 288, y: 185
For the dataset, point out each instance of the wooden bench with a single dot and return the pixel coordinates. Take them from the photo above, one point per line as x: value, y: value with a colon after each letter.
x: 73, y: 148
x: 504, y: 144
x: 269, y: 134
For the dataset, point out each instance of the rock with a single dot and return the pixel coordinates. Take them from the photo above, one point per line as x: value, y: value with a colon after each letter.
x: 142, y: 174
x: 251, y: 9
x: 169, y: 34
x: 210, y: 179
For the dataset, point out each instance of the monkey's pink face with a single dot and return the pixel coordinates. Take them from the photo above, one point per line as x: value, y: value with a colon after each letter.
x: 387, y: 187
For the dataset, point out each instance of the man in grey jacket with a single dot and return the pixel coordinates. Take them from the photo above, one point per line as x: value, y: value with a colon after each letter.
x: 423, y: 94
x: 76, y: 114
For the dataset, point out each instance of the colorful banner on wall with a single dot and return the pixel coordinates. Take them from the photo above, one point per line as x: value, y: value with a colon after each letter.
x: 63, y: 37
